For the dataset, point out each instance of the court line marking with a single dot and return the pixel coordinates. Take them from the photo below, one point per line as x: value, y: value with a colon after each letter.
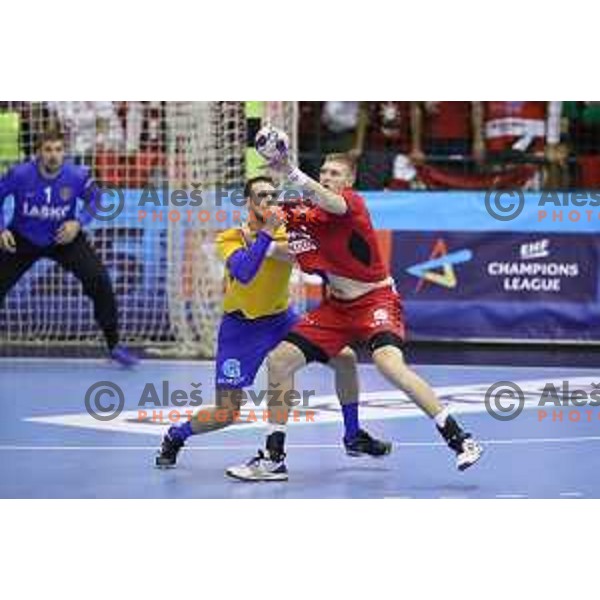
x: 454, y: 497
x: 378, y: 410
x: 106, y: 361
x: 507, y: 496
x: 499, y: 496
x: 573, y: 440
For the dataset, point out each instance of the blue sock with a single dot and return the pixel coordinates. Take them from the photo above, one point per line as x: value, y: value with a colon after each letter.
x: 181, y: 432
x: 350, y: 413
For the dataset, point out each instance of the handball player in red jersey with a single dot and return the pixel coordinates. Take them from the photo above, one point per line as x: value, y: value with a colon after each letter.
x: 337, y: 240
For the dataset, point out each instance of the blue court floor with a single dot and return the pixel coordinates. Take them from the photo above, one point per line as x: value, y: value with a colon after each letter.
x: 50, y: 447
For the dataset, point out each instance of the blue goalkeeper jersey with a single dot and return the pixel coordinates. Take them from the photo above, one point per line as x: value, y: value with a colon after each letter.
x: 41, y: 204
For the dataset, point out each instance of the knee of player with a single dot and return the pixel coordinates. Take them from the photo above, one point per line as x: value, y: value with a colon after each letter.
x: 229, y: 399
x: 347, y: 359
x: 389, y: 357
x: 278, y: 364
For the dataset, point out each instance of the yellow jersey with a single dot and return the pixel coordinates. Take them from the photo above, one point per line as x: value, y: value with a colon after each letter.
x: 268, y: 293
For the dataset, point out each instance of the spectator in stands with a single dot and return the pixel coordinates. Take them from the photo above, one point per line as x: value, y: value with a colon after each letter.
x: 584, y: 119
x: 309, y: 136
x: 508, y: 133
x: 584, y: 129
x: 340, y: 121
x: 131, y: 118
x: 90, y: 125
x: 123, y: 140
x: 326, y: 127
x: 441, y: 130
x: 384, y: 138
x: 153, y: 128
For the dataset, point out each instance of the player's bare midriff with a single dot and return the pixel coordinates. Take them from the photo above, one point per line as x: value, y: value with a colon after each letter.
x: 350, y: 289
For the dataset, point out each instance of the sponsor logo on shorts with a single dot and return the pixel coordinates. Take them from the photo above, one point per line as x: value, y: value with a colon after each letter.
x: 381, y: 316
x: 232, y: 369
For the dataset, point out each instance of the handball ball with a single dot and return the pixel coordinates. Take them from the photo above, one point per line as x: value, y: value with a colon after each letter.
x: 272, y: 143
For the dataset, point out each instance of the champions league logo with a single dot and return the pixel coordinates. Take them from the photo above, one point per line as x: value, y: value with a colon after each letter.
x: 534, y: 270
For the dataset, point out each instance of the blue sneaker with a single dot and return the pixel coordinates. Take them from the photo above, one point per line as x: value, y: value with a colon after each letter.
x: 121, y: 355
x: 260, y: 468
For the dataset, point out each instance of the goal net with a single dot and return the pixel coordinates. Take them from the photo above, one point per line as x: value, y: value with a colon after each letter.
x: 166, y: 275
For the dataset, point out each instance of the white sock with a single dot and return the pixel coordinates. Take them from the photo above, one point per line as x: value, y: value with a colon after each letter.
x: 440, y: 418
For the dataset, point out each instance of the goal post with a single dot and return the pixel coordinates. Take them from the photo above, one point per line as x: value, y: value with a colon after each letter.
x: 212, y: 143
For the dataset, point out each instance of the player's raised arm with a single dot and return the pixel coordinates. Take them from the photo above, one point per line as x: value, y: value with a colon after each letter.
x: 325, y: 192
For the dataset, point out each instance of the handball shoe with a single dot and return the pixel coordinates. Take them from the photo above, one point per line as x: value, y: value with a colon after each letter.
x: 468, y: 450
x: 125, y: 358
x: 363, y: 444
x: 260, y: 468
x: 169, y: 449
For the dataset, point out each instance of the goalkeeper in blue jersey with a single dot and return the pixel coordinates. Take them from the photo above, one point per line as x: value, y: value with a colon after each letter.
x: 46, y: 224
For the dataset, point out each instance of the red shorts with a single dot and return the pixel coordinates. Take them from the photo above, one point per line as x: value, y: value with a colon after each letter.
x: 337, y: 323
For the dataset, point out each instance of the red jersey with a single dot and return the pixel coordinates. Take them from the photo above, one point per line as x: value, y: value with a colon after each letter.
x: 448, y: 120
x: 517, y: 126
x: 344, y: 245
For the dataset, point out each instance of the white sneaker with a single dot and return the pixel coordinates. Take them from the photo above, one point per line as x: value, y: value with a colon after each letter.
x: 260, y: 468
x: 471, y: 452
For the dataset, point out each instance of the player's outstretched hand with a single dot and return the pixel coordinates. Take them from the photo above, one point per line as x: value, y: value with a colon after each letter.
x: 7, y: 241
x: 68, y: 232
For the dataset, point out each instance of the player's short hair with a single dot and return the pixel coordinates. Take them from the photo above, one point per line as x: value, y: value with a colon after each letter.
x: 344, y: 158
x: 52, y: 133
x: 250, y: 183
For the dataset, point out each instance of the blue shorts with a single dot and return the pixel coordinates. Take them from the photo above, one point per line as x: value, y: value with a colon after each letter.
x: 243, y: 345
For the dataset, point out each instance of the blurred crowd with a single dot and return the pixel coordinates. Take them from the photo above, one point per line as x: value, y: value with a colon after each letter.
x: 457, y: 145
x: 398, y: 145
